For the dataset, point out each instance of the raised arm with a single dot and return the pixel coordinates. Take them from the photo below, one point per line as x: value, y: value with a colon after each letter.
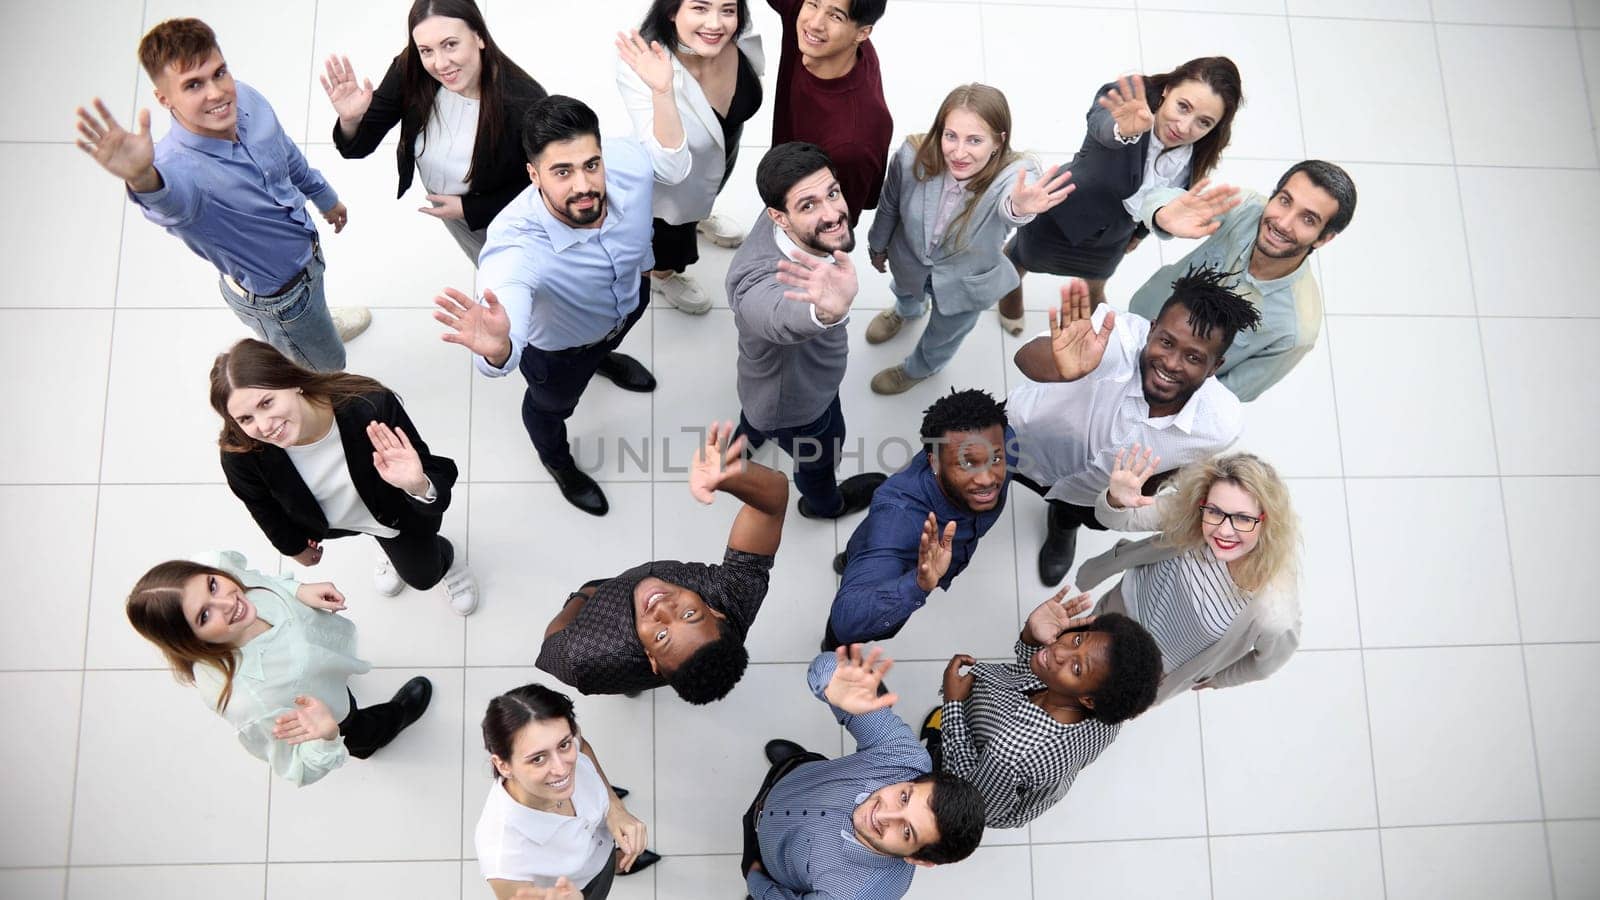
x: 653, y: 105
x: 848, y: 682
x: 721, y: 467
x: 1074, y: 347
x: 900, y: 558
x: 1195, y: 213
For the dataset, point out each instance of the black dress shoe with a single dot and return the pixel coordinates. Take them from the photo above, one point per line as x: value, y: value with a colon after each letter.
x: 780, y: 749
x: 622, y: 793
x: 627, y: 373
x: 1055, y: 555
x: 412, y: 698
x: 838, y: 561
x: 857, y: 491
x: 580, y: 490
x: 645, y: 860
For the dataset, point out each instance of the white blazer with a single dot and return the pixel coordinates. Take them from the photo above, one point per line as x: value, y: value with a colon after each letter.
x: 690, y: 199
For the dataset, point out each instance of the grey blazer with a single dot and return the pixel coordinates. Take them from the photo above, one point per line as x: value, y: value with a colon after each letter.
x: 969, y: 278
x: 1258, y: 643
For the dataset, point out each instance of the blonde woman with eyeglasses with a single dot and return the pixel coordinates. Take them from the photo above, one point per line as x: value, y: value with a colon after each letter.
x: 1216, y: 587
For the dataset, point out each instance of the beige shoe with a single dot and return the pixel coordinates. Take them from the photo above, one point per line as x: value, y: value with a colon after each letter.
x: 680, y: 292
x: 883, y: 326
x: 350, y: 321
x: 893, y: 380
x: 721, y: 230
x: 1012, y: 326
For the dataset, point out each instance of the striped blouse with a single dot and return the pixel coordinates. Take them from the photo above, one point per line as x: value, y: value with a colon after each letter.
x: 1186, y: 602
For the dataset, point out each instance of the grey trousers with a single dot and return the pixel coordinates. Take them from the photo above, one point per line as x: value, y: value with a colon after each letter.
x: 943, y: 336
x: 469, y: 240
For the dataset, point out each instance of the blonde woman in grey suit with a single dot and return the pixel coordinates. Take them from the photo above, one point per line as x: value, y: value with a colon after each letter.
x: 1216, y: 587
x: 950, y: 198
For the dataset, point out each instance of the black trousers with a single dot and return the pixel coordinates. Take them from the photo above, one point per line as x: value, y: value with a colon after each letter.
x: 600, y: 885
x: 752, y: 844
x: 676, y: 247
x: 1063, y: 515
x: 366, y: 730
x: 420, y: 560
x: 556, y: 380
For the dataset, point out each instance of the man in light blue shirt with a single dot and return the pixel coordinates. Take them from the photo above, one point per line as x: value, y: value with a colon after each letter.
x: 855, y: 827
x: 1265, y: 242
x: 564, y: 276
x: 232, y: 186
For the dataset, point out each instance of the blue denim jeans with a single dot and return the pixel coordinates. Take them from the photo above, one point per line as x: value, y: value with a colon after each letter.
x: 296, y: 321
x: 940, y: 339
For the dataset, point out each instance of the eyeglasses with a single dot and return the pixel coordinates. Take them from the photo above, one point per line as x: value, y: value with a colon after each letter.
x: 1241, y: 523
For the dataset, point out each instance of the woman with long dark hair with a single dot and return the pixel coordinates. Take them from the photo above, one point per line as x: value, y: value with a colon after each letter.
x: 690, y: 77
x: 459, y: 102
x: 271, y: 657
x: 320, y: 455
x: 552, y: 818
x: 1145, y: 133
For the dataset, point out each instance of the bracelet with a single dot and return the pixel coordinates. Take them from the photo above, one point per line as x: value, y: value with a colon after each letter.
x: 1116, y: 132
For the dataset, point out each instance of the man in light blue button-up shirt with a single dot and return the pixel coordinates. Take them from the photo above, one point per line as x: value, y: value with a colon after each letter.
x: 232, y: 186
x: 1267, y: 243
x: 564, y: 275
x: 855, y: 827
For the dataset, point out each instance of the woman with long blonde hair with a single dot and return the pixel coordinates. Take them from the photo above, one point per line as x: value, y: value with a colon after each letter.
x: 949, y: 200
x: 1217, y: 587
x: 271, y: 656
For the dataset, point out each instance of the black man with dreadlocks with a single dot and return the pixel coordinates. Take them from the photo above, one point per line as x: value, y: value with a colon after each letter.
x: 1101, y: 382
x: 925, y: 521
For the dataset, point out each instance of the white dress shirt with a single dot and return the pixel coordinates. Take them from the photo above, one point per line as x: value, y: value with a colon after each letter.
x: 1161, y: 170
x: 444, y: 149
x: 1068, y: 434
x: 790, y: 249
x: 518, y: 843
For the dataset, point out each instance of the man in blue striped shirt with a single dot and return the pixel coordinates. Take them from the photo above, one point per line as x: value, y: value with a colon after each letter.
x: 854, y: 828
x: 229, y: 183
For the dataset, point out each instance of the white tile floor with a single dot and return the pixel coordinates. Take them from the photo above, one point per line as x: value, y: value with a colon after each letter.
x: 1434, y: 738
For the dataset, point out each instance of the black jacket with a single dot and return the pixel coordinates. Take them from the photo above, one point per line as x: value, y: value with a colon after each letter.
x: 1106, y: 173
x: 491, y: 189
x: 281, y: 503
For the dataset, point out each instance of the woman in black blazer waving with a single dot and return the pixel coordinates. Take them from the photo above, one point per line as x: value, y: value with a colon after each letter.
x: 459, y: 102
x: 1145, y: 132
x: 319, y: 455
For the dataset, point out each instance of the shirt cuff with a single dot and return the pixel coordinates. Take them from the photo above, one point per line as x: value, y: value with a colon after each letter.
x: 821, y: 324
x: 427, y: 496
x: 1116, y: 132
x: 1011, y: 214
x: 325, y: 199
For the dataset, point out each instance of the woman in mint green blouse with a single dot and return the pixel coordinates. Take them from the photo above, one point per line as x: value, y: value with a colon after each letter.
x: 272, y: 657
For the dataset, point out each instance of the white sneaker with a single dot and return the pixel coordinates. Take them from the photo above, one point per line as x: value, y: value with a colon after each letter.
x: 680, y: 291
x: 350, y: 321
x: 385, y: 578
x: 461, y: 589
x: 721, y: 230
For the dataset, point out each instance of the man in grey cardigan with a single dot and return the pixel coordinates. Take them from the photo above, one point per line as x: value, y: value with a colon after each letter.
x: 790, y: 286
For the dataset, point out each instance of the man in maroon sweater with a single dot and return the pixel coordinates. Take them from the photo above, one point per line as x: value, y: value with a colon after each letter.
x: 830, y: 92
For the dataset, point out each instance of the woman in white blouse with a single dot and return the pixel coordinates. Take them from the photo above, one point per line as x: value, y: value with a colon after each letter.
x: 272, y: 657
x: 1144, y: 133
x: 323, y: 455
x: 699, y: 93
x: 950, y: 198
x: 551, y: 816
x: 459, y: 102
x: 1217, y: 587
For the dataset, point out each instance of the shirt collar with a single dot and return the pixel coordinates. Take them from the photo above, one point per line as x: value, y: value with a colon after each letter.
x: 789, y: 248
x: 562, y: 235
x: 211, y: 146
x: 1183, y: 419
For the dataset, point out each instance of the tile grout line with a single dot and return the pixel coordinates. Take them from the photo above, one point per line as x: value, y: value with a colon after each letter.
x: 1344, y: 480
x: 105, y: 415
x: 1494, y: 444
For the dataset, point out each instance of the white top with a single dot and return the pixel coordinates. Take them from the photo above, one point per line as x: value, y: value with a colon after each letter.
x: 444, y: 148
x: 691, y: 173
x: 1188, y: 602
x: 1068, y: 434
x: 324, y: 469
x: 516, y: 843
x: 1161, y: 170
x: 306, y: 651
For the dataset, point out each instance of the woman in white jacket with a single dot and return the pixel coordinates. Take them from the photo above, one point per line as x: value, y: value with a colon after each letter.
x: 699, y: 94
x: 1217, y: 587
x: 271, y: 656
